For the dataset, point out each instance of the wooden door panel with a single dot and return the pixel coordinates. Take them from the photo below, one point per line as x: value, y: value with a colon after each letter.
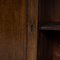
x: 12, y: 29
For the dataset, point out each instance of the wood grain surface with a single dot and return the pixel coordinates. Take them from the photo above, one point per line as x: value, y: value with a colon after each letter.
x: 32, y: 34
x: 12, y: 29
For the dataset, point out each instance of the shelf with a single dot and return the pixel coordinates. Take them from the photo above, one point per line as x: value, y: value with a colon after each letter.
x: 55, y: 27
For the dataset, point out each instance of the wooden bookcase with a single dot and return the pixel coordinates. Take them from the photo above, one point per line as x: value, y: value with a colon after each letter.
x: 49, y: 30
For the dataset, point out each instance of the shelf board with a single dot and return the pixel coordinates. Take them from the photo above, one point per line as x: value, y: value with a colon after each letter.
x: 54, y: 27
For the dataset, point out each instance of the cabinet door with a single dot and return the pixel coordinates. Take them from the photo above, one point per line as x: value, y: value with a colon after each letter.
x: 12, y: 29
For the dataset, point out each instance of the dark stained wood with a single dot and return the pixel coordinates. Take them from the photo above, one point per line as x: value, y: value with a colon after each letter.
x: 49, y: 45
x: 56, y: 28
x: 12, y: 29
x: 50, y: 11
x: 32, y: 34
x: 56, y: 11
x: 49, y: 30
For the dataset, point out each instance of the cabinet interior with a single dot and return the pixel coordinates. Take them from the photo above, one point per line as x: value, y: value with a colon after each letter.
x: 49, y: 12
x: 48, y: 47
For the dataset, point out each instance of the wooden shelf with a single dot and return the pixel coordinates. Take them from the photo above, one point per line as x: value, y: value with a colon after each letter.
x: 55, y: 27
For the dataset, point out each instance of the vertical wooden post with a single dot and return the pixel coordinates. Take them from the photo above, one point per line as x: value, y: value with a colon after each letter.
x: 32, y: 34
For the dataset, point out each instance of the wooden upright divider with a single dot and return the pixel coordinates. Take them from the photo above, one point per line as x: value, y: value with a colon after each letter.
x: 32, y: 29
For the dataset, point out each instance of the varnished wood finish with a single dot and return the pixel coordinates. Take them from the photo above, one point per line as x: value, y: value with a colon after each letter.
x: 12, y: 30
x: 55, y: 28
x: 32, y: 35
